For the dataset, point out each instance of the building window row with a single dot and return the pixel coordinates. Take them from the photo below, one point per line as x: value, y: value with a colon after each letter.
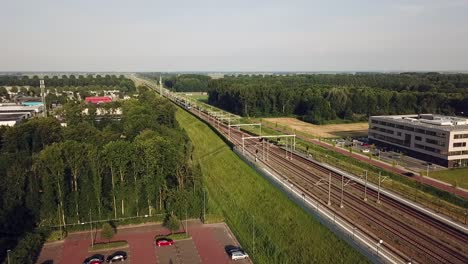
x: 388, y: 131
x: 459, y: 144
x: 458, y: 153
x: 458, y: 136
x: 426, y: 148
x: 435, y: 142
x: 390, y: 139
x: 407, y: 128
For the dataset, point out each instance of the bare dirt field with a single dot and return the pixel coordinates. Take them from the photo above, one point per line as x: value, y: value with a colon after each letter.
x: 323, y: 131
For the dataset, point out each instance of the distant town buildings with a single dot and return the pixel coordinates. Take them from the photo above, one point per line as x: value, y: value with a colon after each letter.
x: 437, y: 139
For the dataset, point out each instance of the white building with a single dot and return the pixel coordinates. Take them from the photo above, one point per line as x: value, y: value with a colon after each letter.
x: 438, y: 139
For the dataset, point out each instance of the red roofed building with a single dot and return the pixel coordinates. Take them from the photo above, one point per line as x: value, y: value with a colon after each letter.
x: 98, y: 99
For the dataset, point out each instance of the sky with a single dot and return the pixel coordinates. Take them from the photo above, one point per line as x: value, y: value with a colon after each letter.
x: 235, y: 35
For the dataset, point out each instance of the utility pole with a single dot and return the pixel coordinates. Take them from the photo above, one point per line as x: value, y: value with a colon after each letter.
x: 343, y: 184
x: 60, y: 224
x: 378, y: 194
x: 466, y: 213
x: 342, y: 190
x: 329, y: 189
x: 378, y: 246
x: 204, y: 208
x: 365, y: 188
x: 160, y: 86
x: 42, y: 85
x: 253, y: 234
x: 91, y: 225
x: 242, y: 144
x: 380, y: 182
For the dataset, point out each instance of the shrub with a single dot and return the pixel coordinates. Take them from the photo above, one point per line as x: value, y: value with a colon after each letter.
x: 28, y: 248
x: 107, y: 231
x: 172, y: 223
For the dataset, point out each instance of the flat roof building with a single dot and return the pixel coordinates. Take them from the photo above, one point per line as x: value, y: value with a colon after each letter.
x: 14, y: 108
x: 11, y: 119
x: 98, y: 99
x: 434, y: 138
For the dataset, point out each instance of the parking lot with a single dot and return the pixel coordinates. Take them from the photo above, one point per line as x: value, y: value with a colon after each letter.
x: 361, y: 146
x: 206, y: 245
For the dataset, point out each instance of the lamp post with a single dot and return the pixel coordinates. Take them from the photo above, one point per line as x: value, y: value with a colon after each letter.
x: 8, y: 255
x: 378, y: 246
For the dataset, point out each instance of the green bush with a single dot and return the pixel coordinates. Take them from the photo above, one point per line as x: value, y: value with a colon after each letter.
x: 172, y: 223
x: 107, y: 231
x: 28, y: 248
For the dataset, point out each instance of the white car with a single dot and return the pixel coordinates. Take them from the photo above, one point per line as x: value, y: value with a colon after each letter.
x: 238, y: 254
x: 366, y: 150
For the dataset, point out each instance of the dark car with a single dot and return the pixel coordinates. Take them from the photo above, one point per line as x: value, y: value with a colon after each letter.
x: 230, y: 249
x: 117, y: 256
x: 94, y: 259
x: 409, y: 174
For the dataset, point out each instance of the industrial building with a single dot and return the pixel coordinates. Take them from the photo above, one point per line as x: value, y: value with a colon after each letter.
x: 436, y: 139
x: 12, y: 114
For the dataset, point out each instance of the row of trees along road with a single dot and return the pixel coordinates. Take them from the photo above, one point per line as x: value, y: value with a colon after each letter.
x: 69, y: 80
x: 139, y: 165
x: 320, y: 98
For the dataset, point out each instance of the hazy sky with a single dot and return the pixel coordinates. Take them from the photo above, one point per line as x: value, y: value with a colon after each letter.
x: 235, y: 35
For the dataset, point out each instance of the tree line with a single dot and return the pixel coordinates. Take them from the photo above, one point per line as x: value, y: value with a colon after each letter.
x: 71, y: 80
x: 137, y: 165
x: 323, y: 98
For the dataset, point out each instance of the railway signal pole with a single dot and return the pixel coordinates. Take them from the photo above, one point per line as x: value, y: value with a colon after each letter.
x: 365, y: 189
x: 329, y: 189
x: 343, y: 184
x: 380, y: 182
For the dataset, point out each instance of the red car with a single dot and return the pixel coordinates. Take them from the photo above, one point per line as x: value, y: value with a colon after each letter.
x: 164, y: 242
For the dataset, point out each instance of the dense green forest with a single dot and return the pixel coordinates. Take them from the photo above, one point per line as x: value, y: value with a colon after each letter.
x: 56, y: 176
x: 182, y: 82
x: 320, y: 98
x: 72, y: 80
x: 188, y: 83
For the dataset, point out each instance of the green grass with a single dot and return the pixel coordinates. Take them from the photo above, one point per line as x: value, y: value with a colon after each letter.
x: 56, y: 236
x: 174, y: 236
x: 456, y: 177
x: 110, y: 245
x: 284, y: 233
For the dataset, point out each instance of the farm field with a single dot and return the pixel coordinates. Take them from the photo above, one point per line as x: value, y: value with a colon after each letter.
x: 322, y: 131
x: 248, y: 202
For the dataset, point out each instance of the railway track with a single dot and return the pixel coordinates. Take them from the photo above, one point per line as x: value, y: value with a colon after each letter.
x: 411, y: 242
x: 416, y: 239
x: 392, y: 226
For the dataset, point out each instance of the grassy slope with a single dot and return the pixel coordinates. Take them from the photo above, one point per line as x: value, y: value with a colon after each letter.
x: 458, y: 177
x: 284, y: 233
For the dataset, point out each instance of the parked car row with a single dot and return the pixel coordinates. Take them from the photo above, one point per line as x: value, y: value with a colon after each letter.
x: 99, y: 258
